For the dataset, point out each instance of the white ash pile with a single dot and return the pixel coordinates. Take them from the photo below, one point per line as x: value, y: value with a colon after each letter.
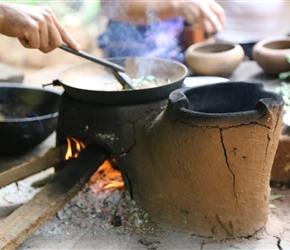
x: 109, y: 209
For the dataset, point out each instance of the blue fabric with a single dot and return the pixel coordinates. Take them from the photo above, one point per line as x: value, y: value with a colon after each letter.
x: 161, y: 39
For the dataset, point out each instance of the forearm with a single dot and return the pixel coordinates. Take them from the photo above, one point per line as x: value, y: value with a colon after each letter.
x: 208, y: 14
x: 138, y: 13
x: 34, y: 26
x: 2, y: 17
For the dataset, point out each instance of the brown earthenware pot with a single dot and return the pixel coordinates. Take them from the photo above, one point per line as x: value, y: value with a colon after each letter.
x: 271, y: 53
x: 214, y: 59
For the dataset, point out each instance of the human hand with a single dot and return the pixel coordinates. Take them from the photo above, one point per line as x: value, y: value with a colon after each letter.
x: 206, y: 14
x: 34, y: 26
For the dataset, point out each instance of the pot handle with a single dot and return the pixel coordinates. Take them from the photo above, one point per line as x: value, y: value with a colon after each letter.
x: 177, y: 100
x: 270, y: 110
x: 54, y: 83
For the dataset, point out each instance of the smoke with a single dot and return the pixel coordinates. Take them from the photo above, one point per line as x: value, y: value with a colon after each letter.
x: 157, y: 38
x: 151, y: 15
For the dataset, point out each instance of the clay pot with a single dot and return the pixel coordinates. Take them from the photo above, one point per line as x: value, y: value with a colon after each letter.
x: 204, y: 166
x: 214, y: 59
x: 271, y: 53
x: 281, y: 165
x: 220, y: 141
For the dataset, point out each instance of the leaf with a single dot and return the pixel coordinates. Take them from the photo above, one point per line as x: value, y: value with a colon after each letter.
x: 284, y: 75
x: 276, y: 196
x: 288, y: 58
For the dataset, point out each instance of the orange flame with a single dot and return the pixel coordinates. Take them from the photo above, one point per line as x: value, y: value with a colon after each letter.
x: 106, y: 177
x: 73, y: 151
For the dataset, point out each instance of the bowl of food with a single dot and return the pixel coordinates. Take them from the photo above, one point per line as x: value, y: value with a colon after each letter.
x: 28, y: 115
x: 153, y: 78
x: 213, y: 58
x: 270, y: 54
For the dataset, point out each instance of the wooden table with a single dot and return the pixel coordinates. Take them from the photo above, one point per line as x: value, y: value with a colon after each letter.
x: 252, y: 72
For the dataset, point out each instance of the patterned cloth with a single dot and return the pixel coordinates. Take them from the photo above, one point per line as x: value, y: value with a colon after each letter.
x: 161, y: 39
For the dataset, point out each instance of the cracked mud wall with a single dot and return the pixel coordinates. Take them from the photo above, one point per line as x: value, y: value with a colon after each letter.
x: 206, y: 180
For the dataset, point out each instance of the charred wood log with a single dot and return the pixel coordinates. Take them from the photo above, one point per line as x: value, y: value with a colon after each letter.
x: 37, y: 164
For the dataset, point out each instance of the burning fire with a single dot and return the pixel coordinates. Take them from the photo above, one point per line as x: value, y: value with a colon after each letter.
x: 73, y: 151
x: 106, y: 177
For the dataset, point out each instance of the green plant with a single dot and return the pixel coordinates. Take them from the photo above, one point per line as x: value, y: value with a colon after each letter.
x: 68, y: 12
x: 30, y: 2
x: 284, y: 89
x: 285, y: 75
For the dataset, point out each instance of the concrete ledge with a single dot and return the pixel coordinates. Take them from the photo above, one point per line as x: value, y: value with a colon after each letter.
x: 10, y: 74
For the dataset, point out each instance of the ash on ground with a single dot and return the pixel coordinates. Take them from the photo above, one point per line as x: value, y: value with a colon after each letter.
x: 109, y: 209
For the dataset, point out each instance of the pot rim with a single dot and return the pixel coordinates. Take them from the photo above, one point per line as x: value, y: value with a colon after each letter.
x: 192, y: 49
x: 123, y: 97
x: 123, y: 58
x: 29, y: 119
x: 261, y: 44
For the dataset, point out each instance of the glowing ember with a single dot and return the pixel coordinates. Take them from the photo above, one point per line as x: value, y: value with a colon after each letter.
x: 106, y: 177
x: 73, y: 148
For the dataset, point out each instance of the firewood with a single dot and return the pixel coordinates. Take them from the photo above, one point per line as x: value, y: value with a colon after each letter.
x: 24, y: 221
x: 51, y: 158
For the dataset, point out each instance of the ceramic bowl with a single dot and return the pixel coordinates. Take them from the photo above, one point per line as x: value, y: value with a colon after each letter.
x: 213, y: 59
x: 270, y: 54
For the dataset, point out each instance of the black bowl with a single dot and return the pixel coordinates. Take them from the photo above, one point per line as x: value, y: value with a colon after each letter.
x: 28, y: 115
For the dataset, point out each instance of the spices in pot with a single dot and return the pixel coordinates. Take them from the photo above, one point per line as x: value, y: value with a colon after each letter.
x: 109, y: 83
x: 149, y: 81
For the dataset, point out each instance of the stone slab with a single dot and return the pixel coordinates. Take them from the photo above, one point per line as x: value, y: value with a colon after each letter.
x: 10, y: 74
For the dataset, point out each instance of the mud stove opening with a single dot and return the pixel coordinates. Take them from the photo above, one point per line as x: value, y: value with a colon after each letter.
x: 113, y: 128
x: 110, y: 127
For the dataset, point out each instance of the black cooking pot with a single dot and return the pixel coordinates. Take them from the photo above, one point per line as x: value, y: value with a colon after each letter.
x: 28, y: 115
x: 85, y: 81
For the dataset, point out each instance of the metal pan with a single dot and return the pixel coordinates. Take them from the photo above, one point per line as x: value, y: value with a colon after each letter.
x: 85, y: 81
x: 28, y: 116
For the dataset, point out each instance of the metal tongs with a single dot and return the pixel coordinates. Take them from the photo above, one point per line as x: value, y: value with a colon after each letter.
x: 117, y: 70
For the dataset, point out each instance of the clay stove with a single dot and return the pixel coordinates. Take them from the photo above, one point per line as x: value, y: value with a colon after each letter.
x: 199, y: 161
